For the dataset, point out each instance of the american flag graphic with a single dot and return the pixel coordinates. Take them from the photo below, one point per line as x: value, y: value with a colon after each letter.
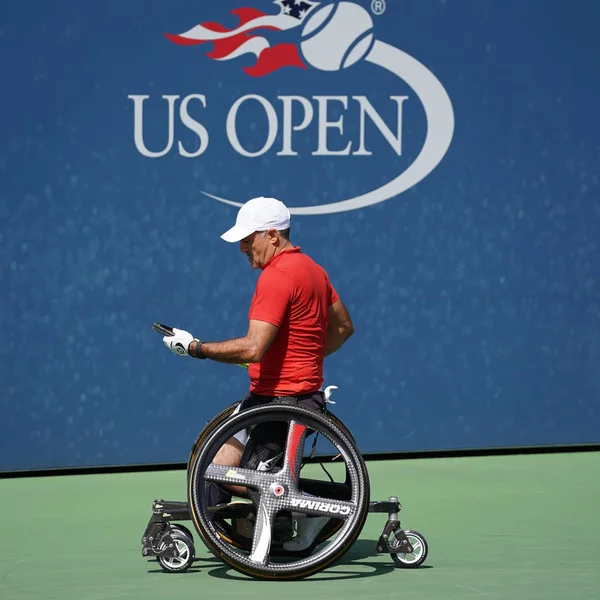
x: 232, y: 43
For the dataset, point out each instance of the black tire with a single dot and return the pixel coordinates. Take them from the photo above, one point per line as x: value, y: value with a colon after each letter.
x: 352, y: 513
x: 185, y: 545
x: 219, y: 417
x: 183, y: 529
x: 417, y: 558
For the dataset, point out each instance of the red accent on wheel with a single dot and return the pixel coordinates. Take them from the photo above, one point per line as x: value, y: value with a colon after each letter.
x: 294, y: 440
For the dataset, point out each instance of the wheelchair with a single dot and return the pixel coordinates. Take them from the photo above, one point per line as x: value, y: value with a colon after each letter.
x: 249, y: 534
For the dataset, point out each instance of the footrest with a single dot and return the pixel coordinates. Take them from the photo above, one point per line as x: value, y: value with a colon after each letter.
x: 232, y: 510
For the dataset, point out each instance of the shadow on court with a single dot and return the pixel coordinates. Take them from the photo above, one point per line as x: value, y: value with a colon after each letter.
x: 357, y: 556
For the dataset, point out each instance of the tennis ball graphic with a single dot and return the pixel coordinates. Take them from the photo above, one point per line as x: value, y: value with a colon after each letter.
x: 337, y: 36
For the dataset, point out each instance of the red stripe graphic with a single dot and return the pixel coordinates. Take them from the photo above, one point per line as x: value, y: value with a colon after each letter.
x: 271, y: 59
x: 245, y: 15
x: 292, y: 448
x: 227, y: 43
x: 223, y: 48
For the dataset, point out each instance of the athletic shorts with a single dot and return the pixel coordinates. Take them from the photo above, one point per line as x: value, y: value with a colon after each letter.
x: 314, y: 401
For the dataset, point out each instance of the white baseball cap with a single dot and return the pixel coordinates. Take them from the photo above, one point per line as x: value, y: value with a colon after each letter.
x: 258, y: 214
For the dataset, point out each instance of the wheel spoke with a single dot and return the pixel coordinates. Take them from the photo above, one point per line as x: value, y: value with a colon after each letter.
x: 237, y: 476
x: 261, y: 542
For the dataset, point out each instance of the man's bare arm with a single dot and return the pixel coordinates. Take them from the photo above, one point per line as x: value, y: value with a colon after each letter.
x: 249, y: 349
x: 339, y: 328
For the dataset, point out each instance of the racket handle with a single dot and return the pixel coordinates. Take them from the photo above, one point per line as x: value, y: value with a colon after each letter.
x: 162, y: 329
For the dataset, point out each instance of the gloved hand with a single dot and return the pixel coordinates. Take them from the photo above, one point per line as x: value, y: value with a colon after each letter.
x: 180, y: 342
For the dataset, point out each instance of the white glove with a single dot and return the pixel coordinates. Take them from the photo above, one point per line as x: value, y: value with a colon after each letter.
x: 179, y: 343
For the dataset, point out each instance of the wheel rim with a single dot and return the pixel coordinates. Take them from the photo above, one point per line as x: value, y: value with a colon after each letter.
x: 418, y: 548
x: 279, y: 491
x: 175, y: 562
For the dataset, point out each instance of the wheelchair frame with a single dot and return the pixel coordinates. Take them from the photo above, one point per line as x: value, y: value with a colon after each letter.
x: 173, y: 544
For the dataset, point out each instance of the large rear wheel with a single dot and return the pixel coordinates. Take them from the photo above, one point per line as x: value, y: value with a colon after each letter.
x: 279, y: 494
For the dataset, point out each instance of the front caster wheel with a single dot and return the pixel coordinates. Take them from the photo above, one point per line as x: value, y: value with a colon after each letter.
x: 183, y: 529
x: 415, y: 558
x: 179, y: 561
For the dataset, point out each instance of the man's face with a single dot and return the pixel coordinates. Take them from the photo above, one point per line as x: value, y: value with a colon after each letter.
x: 258, y: 247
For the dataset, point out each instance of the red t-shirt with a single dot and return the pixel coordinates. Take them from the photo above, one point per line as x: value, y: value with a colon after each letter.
x: 294, y: 293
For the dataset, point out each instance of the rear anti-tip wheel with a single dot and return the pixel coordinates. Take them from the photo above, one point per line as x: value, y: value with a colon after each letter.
x: 185, y: 549
x: 414, y: 559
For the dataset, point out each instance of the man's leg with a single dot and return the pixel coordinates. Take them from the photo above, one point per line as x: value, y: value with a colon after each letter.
x: 267, y: 441
x: 230, y: 455
x: 263, y: 451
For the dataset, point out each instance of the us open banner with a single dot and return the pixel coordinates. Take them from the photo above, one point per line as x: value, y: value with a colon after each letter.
x: 328, y: 38
x: 440, y: 159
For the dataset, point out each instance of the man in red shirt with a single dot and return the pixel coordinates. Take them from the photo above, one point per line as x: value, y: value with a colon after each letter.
x: 296, y: 318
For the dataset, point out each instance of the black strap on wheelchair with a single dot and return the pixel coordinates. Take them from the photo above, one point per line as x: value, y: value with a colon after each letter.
x: 314, y: 448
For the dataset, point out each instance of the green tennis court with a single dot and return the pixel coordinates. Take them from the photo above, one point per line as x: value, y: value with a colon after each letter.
x: 522, y: 527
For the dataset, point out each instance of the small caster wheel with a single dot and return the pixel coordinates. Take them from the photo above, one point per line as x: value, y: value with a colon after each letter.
x: 183, y: 529
x: 414, y: 559
x: 185, y: 547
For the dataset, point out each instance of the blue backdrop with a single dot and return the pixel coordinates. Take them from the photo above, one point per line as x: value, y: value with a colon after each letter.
x: 474, y: 292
